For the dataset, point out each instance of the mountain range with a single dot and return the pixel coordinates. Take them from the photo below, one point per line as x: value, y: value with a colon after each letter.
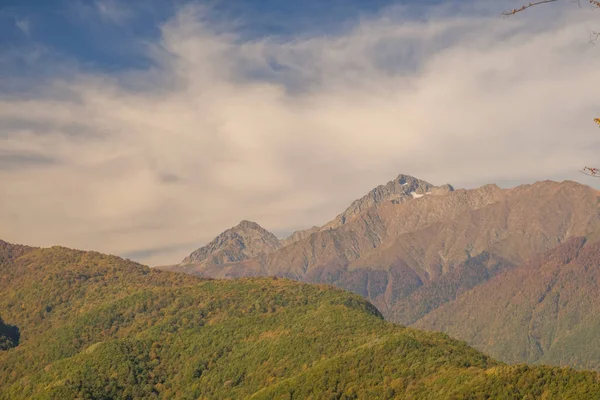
x: 94, y: 326
x: 513, y: 272
x: 429, y: 255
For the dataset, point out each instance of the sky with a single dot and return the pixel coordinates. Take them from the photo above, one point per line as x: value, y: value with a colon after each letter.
x: 146, y: 128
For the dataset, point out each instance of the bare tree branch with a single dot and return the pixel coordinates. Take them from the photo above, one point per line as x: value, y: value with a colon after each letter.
x: 595, y: 3
x: 591, y: 171
x: 526, y: 6
x: 594, y: 36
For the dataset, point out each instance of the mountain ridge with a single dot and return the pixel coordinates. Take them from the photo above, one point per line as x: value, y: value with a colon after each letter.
x: 402, y: 188
x: 387, y: 221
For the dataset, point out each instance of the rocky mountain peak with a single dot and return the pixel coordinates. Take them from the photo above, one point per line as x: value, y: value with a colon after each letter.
x: 244, y: 241
x: 248, y: 239
x: 399, y: 190
x: 245, y: 224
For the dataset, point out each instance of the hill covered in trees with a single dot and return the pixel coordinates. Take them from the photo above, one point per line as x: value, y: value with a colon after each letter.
x: 97, y: 326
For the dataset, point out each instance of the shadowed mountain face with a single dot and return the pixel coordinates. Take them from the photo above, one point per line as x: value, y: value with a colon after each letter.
x: 9, y: 336
x: 99, y: 327
x: 546, y: 310
x: 410, y: 247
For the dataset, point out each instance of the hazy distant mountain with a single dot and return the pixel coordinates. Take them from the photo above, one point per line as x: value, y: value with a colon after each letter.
x: 95, y: 326
x: 243, y: 241
x: 410, y: 247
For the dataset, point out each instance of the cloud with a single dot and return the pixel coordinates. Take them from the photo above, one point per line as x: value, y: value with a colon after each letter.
x: 114, y: 11
x: 111, y: 11
x: 10, y: 160
x: 287, y: 132
x: 24, y: 25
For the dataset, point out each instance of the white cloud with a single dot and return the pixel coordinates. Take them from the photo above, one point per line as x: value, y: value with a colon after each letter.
x: 287, y: 133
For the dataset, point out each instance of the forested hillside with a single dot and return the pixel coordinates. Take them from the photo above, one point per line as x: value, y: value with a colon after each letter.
x: 98, y: 327
x: 544, y: 311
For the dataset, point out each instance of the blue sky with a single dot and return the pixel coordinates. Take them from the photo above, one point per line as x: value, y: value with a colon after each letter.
x: 145, y: 128
x: 105, y: 35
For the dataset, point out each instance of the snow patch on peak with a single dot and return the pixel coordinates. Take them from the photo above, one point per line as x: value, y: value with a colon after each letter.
x: 416, y: 195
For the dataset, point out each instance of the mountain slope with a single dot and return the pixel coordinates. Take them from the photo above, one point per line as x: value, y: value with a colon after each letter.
x: 9, y: 252
x: 243, y: 241
x: 397, y: 191
x: 299, y: 235
x: 96, y: 326
x: 545, y: 311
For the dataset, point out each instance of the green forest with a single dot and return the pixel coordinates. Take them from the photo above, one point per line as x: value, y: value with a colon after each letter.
x: 83, y: 325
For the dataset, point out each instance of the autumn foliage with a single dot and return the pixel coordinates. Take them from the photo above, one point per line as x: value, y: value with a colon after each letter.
x: 99, y: 327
